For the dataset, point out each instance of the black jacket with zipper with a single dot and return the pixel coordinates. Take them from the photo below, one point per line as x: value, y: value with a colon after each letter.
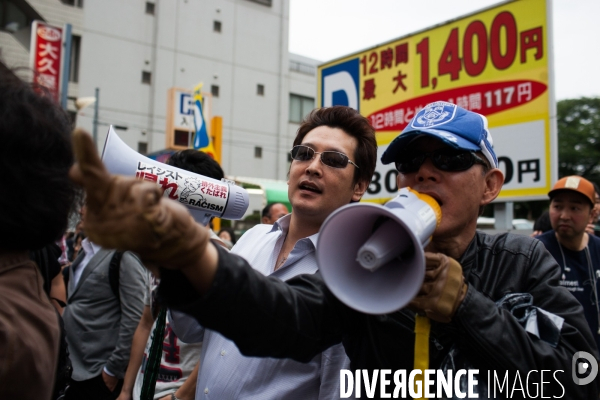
x: 300, y: 318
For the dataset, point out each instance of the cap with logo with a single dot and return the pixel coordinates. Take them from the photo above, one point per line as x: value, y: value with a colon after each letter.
x: 577, y: 184
x: 455, y: 126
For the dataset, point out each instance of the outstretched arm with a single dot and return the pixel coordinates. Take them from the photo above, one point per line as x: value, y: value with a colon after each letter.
x: 129, y: 214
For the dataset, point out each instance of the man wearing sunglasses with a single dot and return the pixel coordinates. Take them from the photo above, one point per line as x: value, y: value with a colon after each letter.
x: 327, y: 171
x: 494, y: 301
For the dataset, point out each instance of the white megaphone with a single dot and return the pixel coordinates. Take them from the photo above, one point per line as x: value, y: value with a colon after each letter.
x: 205, y: 197
x: 371, y: 256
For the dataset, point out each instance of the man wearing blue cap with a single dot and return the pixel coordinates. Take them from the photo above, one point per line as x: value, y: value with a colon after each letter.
x: 494, y: 302
x: 446, y: 152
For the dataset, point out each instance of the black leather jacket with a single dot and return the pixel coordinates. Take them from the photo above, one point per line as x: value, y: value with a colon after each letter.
x: 300, y: 318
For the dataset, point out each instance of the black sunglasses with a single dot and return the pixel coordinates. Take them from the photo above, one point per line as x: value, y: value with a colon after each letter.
x: 445, y: 159
x: 333, y: 159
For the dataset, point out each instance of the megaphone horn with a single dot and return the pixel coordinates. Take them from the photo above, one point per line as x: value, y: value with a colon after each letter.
x: 205, y: 197
x: 371, y: 256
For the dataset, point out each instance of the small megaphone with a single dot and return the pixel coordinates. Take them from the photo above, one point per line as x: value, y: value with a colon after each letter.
x: 205, y: 197
x: 371, y: 256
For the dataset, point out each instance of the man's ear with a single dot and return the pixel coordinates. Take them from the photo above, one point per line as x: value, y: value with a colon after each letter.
x: 494, y: 179
x: 360, y: 188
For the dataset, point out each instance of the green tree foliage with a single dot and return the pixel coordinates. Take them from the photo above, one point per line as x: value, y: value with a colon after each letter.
x: 579, y: 137
x: 578, y: 123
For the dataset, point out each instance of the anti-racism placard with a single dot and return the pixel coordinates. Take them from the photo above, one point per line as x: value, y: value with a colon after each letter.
x: 496, y: 62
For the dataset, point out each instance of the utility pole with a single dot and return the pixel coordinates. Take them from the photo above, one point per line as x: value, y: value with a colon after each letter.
x: 95, y: 130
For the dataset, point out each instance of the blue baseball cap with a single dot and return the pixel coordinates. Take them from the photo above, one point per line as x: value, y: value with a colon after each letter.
x: 455, y: 126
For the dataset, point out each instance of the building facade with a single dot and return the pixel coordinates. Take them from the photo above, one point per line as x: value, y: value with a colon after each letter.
x: 133, y: 51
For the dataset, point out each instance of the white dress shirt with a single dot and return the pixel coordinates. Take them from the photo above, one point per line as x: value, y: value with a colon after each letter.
x: 226, y: 374
x: 90, y: 249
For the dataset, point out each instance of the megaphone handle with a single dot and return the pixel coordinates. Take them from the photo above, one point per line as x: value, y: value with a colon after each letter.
x: 422, y: 328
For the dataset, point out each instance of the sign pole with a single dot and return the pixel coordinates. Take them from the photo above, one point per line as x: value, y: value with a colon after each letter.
x: 95, y: 130
x: 66, y: 65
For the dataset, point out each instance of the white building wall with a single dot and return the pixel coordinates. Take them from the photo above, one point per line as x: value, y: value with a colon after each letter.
x: 179, y: 47
x: 300, y: 83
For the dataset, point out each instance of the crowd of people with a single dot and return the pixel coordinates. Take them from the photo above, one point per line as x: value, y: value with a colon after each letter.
x: 152, y: 305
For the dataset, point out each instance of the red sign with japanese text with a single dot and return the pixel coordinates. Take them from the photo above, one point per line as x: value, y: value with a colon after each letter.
x: 46, y: 56
x: 496, y: 62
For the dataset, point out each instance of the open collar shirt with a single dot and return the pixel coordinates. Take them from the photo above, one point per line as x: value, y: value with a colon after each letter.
x: 90, y: 249
x: 226, y: 374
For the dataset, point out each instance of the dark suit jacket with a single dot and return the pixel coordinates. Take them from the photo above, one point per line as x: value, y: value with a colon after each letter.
x: 99, y: 328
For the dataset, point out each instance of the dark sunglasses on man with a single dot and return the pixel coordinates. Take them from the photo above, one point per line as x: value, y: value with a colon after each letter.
x: 333, y: 159
x: 444, y: 159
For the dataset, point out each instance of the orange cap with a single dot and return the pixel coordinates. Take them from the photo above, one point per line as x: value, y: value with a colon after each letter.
x: 576, y: 184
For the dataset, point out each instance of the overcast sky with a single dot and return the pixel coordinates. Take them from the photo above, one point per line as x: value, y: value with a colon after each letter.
x: 328, y: 29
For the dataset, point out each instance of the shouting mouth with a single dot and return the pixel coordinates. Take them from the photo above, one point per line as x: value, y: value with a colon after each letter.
x: 309, y: 186
x: 434, y: 197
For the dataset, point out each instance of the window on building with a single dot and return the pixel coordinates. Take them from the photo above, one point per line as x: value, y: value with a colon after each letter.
x: 182, y: 138
x: 263, y: 2
x: 143, y: 148
x: 146, y: 77
x: 217, y: 26
x: 260, y: 89
x: 214, y: 90
x: 72, y: 118
x: 303, y: 68
x: 300, y: 106
x: 74, y: 3
x: 15, y: 16
x: 74, y: 61
x: 258, y: 152
x: 150, y: 8
x: 12, y: 18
